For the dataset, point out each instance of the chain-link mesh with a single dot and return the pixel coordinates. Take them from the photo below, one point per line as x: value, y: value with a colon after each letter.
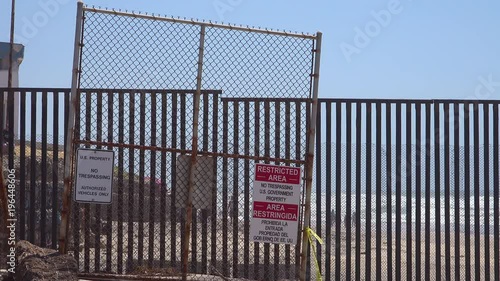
x: 138, y: 85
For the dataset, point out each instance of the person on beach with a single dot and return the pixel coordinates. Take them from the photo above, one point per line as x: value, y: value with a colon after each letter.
x: 352, y: 219
x: 334, y: 219
x: 232, y: 210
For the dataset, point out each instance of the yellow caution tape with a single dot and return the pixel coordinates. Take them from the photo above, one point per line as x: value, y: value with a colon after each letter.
x: 310, y: 234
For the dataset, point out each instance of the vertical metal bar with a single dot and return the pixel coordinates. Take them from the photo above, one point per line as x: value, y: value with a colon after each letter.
x: 388, y: 139
x: 2, y: 127
x: 204, y: 212
x: 447, y: 191
x: 357, y: 275
x: 456, y: 185
x: 467, y: 190
x: 287, y: 156
x: 22, y: 167
x: 97, y: 216
x: 152, y: 184
x: 496, y: 194
x: 34, y: 171
x: 329, y: 225
x: 3, y: 182
x: 131, y: 185
x: 194, y: 240
x: 121, y: 133
x: 189, y: 205
x: 299, y: 115
x: 348, y: 188
x: 235, y: 201
x: 267, y: 153
x: 368, y: 247
x: 310, y: 154
x: 182, y: 140
x: 277, y: 154
x: 338, y: 189
x: 67, y: 96
x: 163, y: 184
x: 427, y: 190
x: 486, y: 180
x: 55, y: 169
x: 378, y: 191
x: 307, y: 125
x: 225, y: 187
x: 398, y: 191
x: 319, y: 185
x: 246, y: 211
x: 43, y: 195
x: 408, y: 194
x: 77, y: 215
x: 319, y: 213
x: 477, y: 231
x: 418, y: 191
x: 257, y: 134
x: 86, y: 207
x: 109, y: 225
x: 68, y: 153
x: 215, y: 147
x: 437, y: 187
x: 142, y: 159
x: 173, y: 209
x: 11, y: 126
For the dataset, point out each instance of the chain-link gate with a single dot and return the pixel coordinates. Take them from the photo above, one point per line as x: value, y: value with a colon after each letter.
x: 188, y: 107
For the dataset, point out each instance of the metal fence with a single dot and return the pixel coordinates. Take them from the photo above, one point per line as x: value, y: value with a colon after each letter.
x: 230, y: 95
x: 407, y: 189
x: 378, y: 169
x: 36, y: 155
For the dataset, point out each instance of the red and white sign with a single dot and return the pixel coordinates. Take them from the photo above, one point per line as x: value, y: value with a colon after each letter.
x: 276, y: 196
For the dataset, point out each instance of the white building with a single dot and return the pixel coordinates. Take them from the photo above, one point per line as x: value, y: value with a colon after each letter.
x: 18, y: 56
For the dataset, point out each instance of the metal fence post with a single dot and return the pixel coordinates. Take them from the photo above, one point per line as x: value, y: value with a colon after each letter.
x: 68, y: 154
x: 4, y: 211
x: 189, y: 205
x: 310, y: 157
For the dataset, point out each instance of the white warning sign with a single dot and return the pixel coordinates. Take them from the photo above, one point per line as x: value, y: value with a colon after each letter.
x: 94, y: 176
x: 276, y: 198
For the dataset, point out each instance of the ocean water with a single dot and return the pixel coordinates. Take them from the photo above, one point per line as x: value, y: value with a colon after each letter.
x: 433, y: 214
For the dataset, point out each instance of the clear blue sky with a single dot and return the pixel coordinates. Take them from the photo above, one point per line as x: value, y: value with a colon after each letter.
x: 431, y: 49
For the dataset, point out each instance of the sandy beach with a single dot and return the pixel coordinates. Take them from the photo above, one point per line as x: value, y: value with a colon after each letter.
x: 279, y: 262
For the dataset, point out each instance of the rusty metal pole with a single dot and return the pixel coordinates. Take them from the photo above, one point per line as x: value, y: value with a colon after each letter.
x: 189, y: 203
x: 310, y: 158
x: 10, y: 98
x: 11, y: 47
x: 68, y: 154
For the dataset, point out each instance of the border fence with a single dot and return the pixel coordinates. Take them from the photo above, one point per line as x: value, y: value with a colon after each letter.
x: 399, y: 189
x: 453, y: 206
x: 408, y: 189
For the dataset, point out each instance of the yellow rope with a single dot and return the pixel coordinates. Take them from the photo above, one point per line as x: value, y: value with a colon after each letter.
x: 310, y: 234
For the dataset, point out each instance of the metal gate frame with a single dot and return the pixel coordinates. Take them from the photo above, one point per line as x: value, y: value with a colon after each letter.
x: 75, y: 97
